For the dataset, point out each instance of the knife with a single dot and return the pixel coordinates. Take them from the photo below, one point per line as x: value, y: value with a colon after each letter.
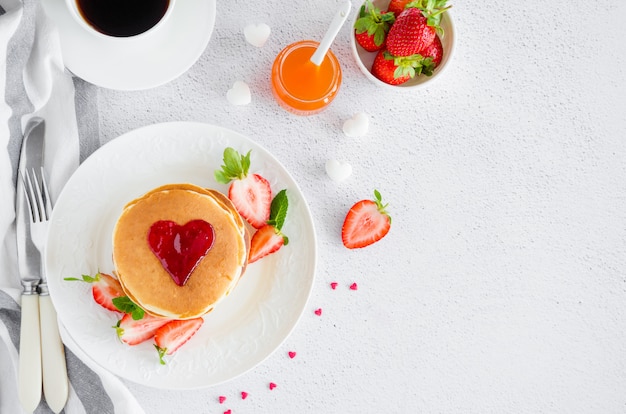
x: 29, y: 259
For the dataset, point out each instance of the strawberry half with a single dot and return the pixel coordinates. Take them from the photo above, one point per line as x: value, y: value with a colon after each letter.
x: 133, y: 332
x: 104, y: 289
x: 372, y: 26
x: 269, y: 238
x: 250, y: 194
x: 266, y: 240
x: 174, y: 334
x: 366, y: 223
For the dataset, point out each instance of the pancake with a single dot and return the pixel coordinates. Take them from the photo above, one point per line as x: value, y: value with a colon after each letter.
x: 144, y: 278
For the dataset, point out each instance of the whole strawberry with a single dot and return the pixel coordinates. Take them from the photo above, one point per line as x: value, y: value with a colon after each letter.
x: 398, y: 70
x: 397, y: 6
x: 372, y: 26
x: 434, y: 51
x: 415, y: 27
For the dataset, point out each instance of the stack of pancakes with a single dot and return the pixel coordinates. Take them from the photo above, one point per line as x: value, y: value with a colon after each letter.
x: 141, y: 273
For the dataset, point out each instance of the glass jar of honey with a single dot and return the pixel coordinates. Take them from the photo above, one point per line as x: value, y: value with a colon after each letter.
x: 299, y: 85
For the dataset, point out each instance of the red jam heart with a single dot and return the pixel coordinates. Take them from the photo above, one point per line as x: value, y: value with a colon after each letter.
x: 180, y: 248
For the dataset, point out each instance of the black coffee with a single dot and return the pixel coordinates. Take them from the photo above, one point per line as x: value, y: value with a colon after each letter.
x: 122, y: 18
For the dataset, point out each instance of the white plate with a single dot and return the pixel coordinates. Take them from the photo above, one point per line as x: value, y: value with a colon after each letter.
x: 246, y: 327
x: 141, y: 63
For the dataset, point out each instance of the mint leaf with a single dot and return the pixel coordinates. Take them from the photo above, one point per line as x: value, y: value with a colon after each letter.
x: 235, y: 166
x: 220, y: 177
x: 278, y: 209
x: 125, y: 305
x: 84, y: 278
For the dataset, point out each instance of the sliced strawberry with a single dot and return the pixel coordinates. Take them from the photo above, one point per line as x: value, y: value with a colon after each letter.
x: 266, y: 240
x: 251, y: 195
x: 269, y: 238
x: 174, y: 334
x: 134, y: 332
x: 104, y: 289
x: 366, y: 223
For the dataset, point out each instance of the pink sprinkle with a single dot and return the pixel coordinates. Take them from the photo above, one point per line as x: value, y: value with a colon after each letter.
x: 227, y: 411
x: 244, y: 395
x: 292, y: 354
x: 333, y: 285
x: 354, y: 286
x: 318, y: 312
x: 222, y: 399
x: 272, y: 385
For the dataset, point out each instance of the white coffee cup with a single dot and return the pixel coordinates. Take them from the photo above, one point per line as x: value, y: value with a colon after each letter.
x: 116, y: 24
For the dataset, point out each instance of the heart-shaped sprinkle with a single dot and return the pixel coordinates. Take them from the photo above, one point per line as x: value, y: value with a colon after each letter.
x: 318, y: 312
x: 227, y: 411
x: 354, y: 286
x: 244, y: 395
x: 257, y: 34
x: 239, y: 94
x: 292, y: 354
x: 333, y: 285
x: 338, y: 171
x: 180, y: 248
x: 357, y: 126
x: 272, y: 385
x: 222, y: 399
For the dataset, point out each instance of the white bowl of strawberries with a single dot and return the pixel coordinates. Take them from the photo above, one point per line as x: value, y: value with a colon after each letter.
x: 402, y: 43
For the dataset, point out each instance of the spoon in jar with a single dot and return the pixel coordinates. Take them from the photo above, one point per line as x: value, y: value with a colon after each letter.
x: 338, y: 20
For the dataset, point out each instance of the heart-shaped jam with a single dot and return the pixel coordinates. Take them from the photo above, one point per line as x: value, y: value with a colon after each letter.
x: 180, y: 248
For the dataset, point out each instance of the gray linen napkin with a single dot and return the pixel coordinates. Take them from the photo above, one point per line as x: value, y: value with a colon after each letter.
x: 33, y: 82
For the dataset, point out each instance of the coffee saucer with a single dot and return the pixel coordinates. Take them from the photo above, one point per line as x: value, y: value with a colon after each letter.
x: 135, y: 64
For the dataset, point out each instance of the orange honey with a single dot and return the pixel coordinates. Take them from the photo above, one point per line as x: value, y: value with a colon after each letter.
x: 299, y: 85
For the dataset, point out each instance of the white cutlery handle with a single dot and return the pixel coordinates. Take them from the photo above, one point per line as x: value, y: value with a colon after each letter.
x: 55, y: 383
x: 29, y: 374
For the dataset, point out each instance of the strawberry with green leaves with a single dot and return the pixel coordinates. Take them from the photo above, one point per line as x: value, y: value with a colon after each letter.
x: 104, y: 289
x: 366, y: 223
x: 398, y: 70
x: 416, y: 27
x: 269, y: 238
x: 372, y: 26
x: 135, y: 331
x: 434, y: 51
x: 174, y: 334
x: 251, y: 194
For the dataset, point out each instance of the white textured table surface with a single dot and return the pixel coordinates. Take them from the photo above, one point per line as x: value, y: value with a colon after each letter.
x: 502, y: 284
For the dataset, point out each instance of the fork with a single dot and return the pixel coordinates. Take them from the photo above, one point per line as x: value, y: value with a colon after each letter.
x: 54, y: 370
